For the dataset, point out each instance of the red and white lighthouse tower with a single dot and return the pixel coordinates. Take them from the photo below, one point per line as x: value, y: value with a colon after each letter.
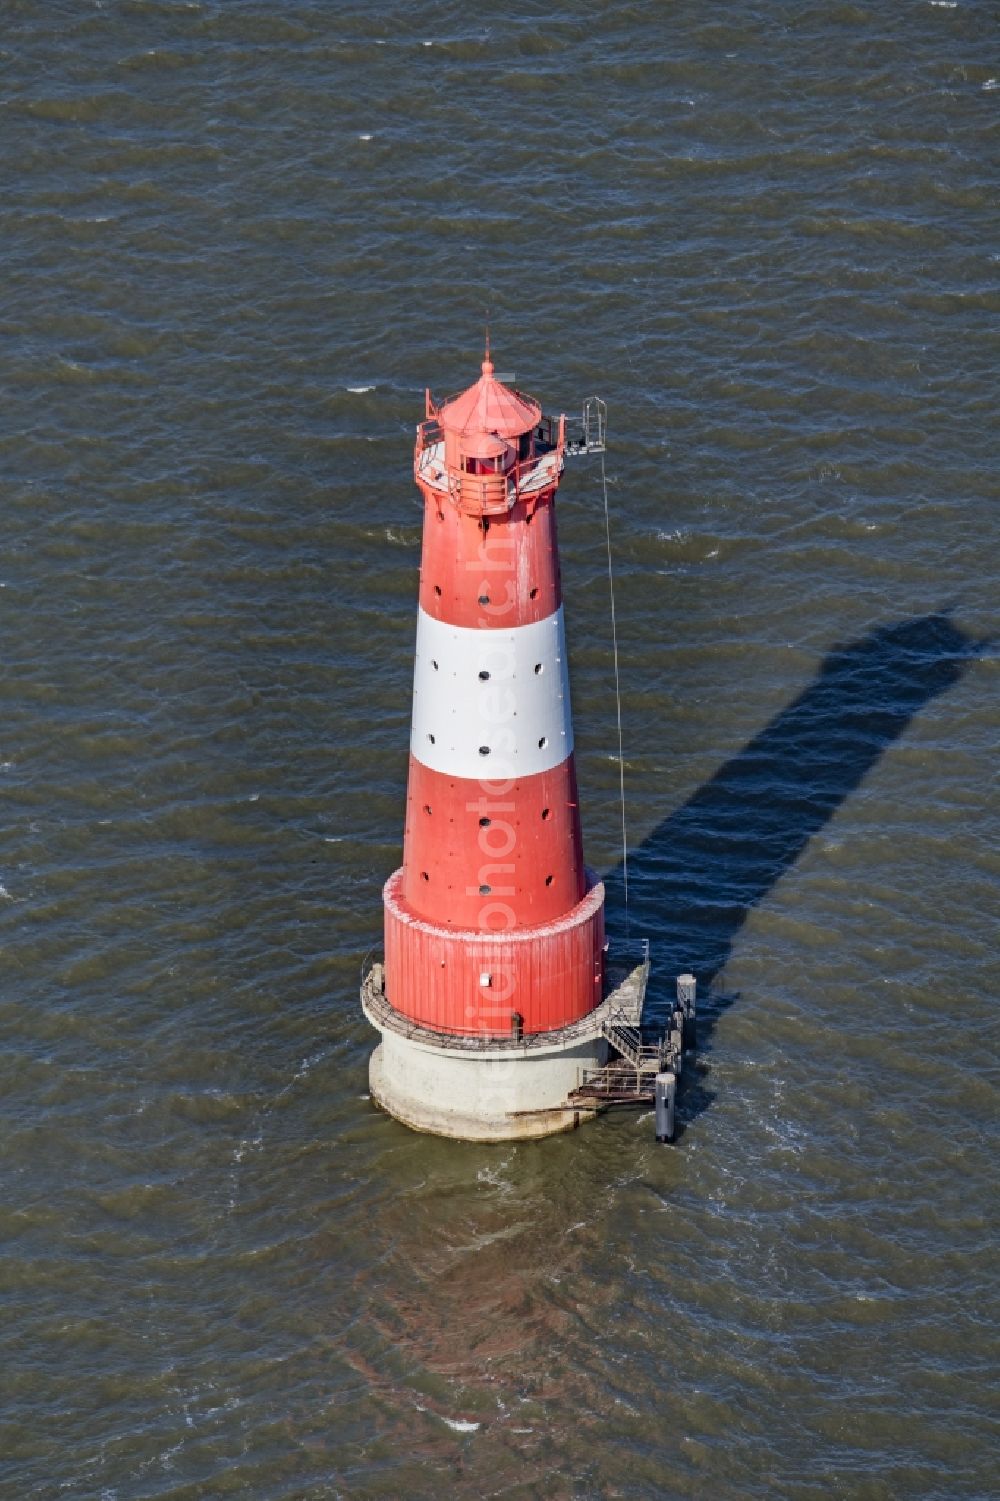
x: 490, y: 996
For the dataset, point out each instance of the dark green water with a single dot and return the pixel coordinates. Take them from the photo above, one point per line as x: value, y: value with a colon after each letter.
x: 237, y: 241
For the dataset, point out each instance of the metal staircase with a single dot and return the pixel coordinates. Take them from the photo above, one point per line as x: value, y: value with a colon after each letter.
x: 627, y: 1041
x: 637, y: 1073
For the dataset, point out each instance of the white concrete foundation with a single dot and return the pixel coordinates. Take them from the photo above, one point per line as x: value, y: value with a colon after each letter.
x: 500, y: 1094
x: 491, y: 1090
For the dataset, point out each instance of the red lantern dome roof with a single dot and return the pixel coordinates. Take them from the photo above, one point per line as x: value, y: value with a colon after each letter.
x: 490, y: 407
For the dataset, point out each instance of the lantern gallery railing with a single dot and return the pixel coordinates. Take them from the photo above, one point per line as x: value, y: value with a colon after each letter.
x: 495, y: 490
x: 491, y: 491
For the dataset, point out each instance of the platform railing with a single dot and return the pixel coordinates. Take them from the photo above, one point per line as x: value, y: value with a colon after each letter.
x: 493, y: 494
x: 381, y: 1010
x: 615, y: 1081
x: 545, y: 435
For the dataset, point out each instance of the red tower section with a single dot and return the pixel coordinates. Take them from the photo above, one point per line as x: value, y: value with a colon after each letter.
x: 493, y: 926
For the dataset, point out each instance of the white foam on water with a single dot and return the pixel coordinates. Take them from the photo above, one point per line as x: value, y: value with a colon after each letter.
x: 307, y: 1064
x: 461, y: 1425
x: 244, y: 1146
x: 364, y: 137
x: 360, y: 390
x: 167, y: 1456
x: 496, y: 1176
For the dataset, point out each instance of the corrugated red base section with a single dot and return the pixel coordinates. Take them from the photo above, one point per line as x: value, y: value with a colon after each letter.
x: 470, y: 982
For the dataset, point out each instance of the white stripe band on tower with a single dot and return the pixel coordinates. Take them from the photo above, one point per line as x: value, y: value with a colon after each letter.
x: 488, y: 703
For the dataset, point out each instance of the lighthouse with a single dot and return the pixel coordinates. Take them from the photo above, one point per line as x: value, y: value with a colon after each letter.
x: 495, y: 1001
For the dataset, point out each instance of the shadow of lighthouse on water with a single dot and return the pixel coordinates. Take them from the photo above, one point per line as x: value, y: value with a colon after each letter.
x: 696, y: 877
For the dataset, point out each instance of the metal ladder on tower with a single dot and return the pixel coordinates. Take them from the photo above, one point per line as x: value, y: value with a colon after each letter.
x: 592, y: 437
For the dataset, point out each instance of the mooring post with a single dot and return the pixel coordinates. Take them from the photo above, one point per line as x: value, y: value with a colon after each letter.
x: 665, y: 1097
x: 676, y: 1036
x: 687, y: 993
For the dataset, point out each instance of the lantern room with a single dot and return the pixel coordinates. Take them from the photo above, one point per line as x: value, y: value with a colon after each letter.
x: 488, y: 446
